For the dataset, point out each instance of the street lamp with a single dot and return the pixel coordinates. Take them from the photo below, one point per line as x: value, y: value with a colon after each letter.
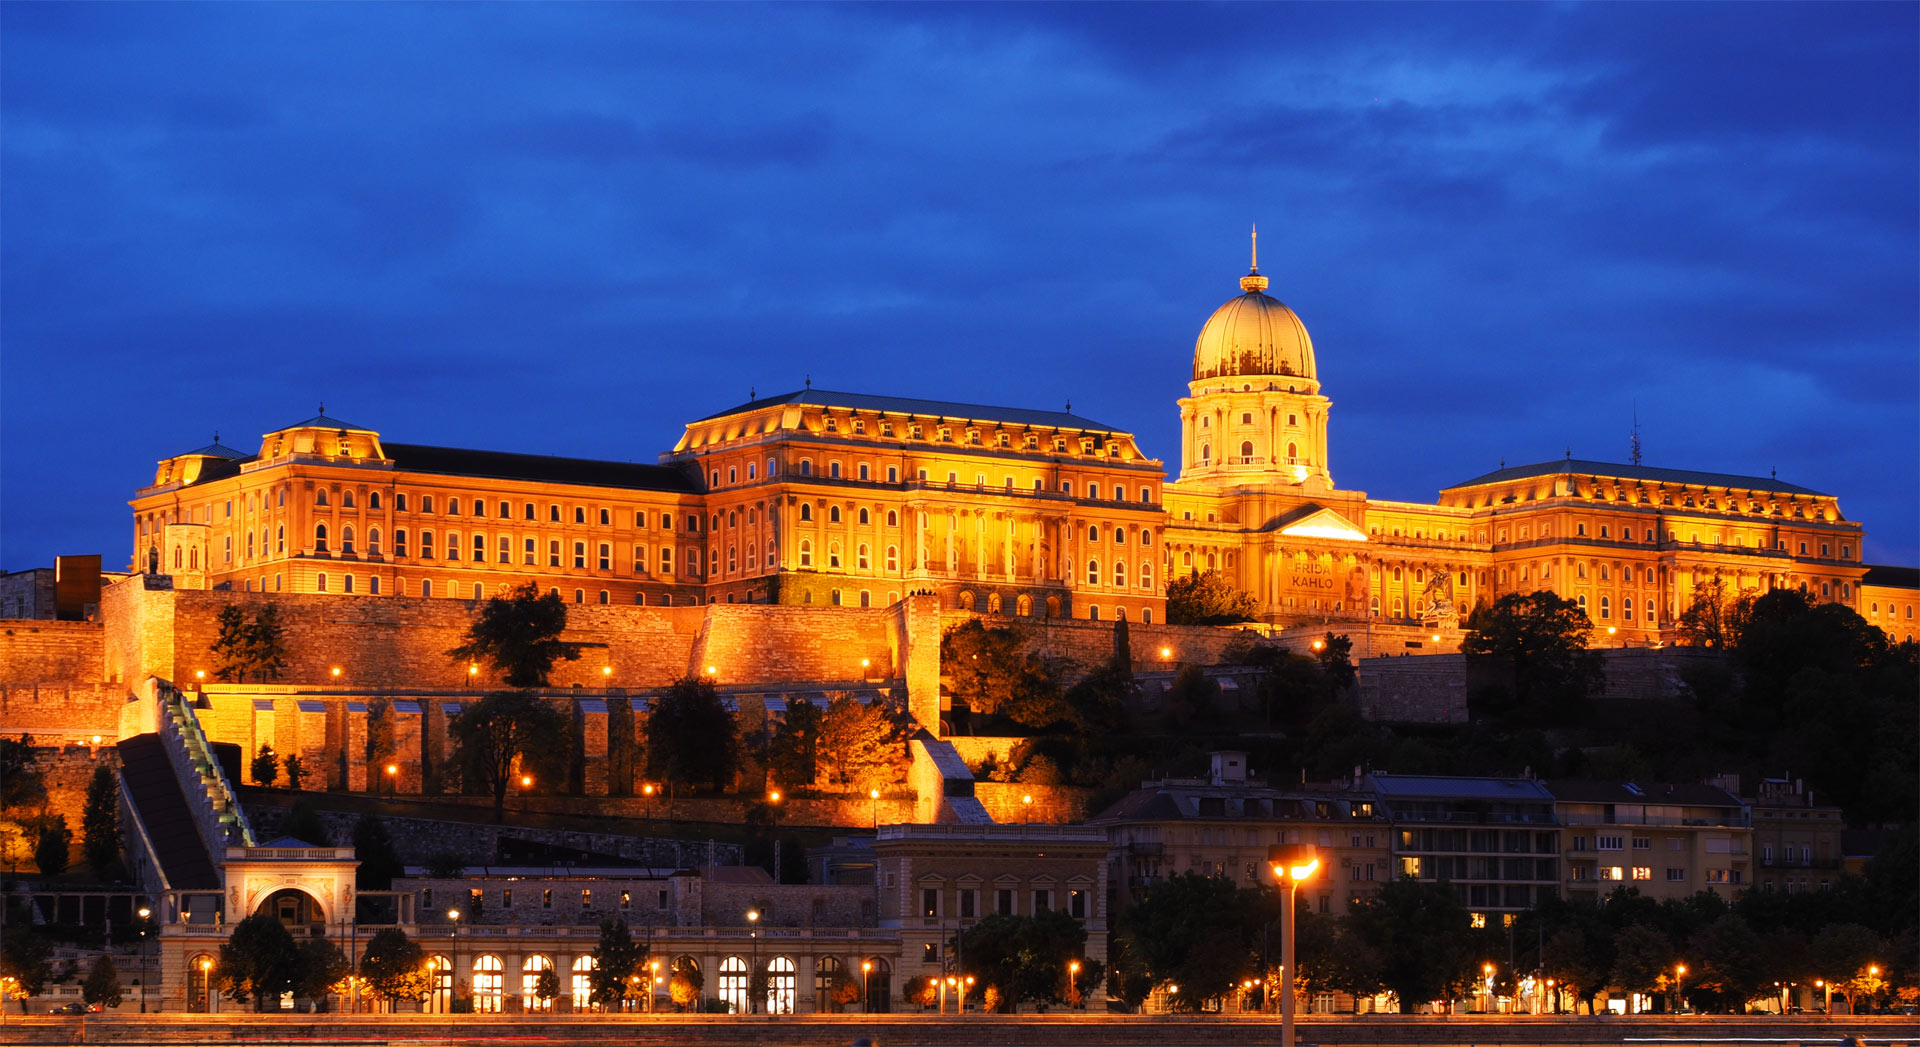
x: 1073, y: 983
x: 1680, y: 986
x: 1555, y: 993
x: 1486, y: 971
x: 653, y: 981
x: 647, y: 791
x: 874, y: 795
x: 206, y: 986
x: 866, y: 986
x: 753, y: 975
x: 1292, y: 865
x: 144, y: 913
x: 453, y: 972
x: 393, y: 779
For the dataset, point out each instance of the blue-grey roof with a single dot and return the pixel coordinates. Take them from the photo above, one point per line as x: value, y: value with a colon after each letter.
x: 321, y: 421
x: 1444, y: 787
x: 903, y: 405
x: 1581, y: 467
x: 1892, y: 576
x: 216, y: 449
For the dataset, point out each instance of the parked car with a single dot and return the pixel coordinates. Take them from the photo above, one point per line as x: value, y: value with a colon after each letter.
x: 76, y: 1008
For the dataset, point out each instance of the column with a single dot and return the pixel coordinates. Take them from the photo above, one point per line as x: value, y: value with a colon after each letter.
x: 355, y: 750
x: 590, y: 738
x: 407, y: 723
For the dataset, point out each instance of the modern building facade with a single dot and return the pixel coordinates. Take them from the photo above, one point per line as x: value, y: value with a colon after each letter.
x: 1665, y: 841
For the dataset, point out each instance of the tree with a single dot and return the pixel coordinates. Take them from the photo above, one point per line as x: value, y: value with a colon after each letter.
x: 1097, y: 705
x: 1335, y: 656
x: 1208, y: 598
x: 303, y: 823
x: 319, y: 965
x: 22, y: 782
x: 685, y: 983
x: 691, y: 736
x: 54, y: 847
x: 546, y: 987
x: 519, y: 635
x: 1570, y: 959
x: 379, y: 861
x: 615, y: 959
x: 793, y: 753
x: 258, y: 961
x: 100, y: 824
x: 992, y: 672
x: 296, y: 772
x: 102, y: 986
x: 1422, y: 936
x: 1541, y: 640
x: 495, y: 736
x: 1731, y: 964
x: 1025, y: 957
x: 864, y: 745
x: 1194, y: 931
x: 1642, y: 956
x: 26, y: 957
x: 266, y: 766
x: 1193, y: 699
x: 1717, y: 615
x: 243, y: 649
x: 1842, y: 954
x: 395, y: 967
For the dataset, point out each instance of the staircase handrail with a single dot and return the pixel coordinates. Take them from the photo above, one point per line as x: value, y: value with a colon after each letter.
x: 223, y: 822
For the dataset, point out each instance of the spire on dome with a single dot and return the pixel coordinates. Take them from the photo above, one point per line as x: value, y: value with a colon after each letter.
x: 1253, y: 281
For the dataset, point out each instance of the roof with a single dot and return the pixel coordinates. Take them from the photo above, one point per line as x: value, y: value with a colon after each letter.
x: 1578, y: 466
x: 216, y: 449
x: 1421, y: 786
x: 1659, y: 793
x: 1891, y: 576
x: 321, y: 421
x: 1141, y: 805
x: 929, y: 408
x: 503, y: 465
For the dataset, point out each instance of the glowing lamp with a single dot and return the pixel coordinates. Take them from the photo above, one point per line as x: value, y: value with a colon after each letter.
x: 606, y: 670
x: 713, y: 670
x: 473, y: 670
x: 336, y: 671
x: 393, y: 768
x: 774, y: 796
x: 1319, y: 644
x: 865, y: 663
x: 1293, y: 863
x: 1166, y: 652
x: 873, y: 794
x: 526, y: 781
x: 201, y: 674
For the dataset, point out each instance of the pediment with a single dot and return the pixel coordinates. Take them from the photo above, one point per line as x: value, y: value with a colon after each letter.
x: 1318, y: 522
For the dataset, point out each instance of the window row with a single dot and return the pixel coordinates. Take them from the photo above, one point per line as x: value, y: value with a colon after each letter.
x: 481, y: 508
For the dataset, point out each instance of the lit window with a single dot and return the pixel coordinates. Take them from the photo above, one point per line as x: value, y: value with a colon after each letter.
x: 580, y: 554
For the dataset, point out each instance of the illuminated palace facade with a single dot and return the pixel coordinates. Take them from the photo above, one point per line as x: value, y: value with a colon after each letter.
x: 827, y: 498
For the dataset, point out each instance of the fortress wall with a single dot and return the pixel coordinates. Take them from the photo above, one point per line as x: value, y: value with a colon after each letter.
x: 1431, y: 689
x: 771, y: 642
x: 51, y: 652
x: 382, y: 641
x: 62, y: 712
x: 1091, y: 643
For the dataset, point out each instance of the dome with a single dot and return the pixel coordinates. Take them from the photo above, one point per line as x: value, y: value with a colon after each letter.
x: 1253, y: 334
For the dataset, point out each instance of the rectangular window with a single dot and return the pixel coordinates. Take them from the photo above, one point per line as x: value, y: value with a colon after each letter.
x: 1042, y: 901
x: 626, y: 900
x: 893, y: 474
x: 639, y: 559
x: 580, y: 554
x: 546, y: 899
x: 606, y: 557
x: 1643, y: 843
x: 968, y: 903
x: 1611, y: 843
x: 929, y: 953
x: 586, y: 898
x: 530, y: 552
x: 929, y: 902
x: 1611, y: 872
x: 1077, y: 904
x: 1642, y: 872
x: 1675, y: 875
x: 606, y: 517
x: 1003, y: 902
x: 666, y: 561
x: 1716, y: 876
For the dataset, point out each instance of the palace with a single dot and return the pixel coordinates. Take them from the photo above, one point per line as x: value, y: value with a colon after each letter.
x: 831, y: 498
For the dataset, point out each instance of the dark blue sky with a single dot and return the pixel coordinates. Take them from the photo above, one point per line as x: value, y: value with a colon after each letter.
x: 571, y: 229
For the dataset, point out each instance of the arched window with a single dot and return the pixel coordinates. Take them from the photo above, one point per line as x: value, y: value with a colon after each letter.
x: 346, y: 499
x: 893, y: 518
x: 250, y: 544
x: 1119, y: 536
x: 1246, y: 449
x: 1093, y: 572
x: 770, y: 557
x: 488, y: 976
x: 863, y: 560
x: 733, y: 984
x: 780, y: 985
x: 320, y: 538
x: 833, y: 554
x: 320, y: 496
x: 583, y: 968
x: 1119, y: 573
x: 373, y: 541
x: 373, y: 499
x: 426, y: 588
x: 1146, y: 576
x: 1093, y: 532
x: 833, y: 470
x: 1093, y: 613
x: 346, y: 540
x: 1606, y: 608
x: 806, y: 553
x: 733, y: 558
x: 1293, y: 453
x: 320, y: 583
x: 806, y: 512
x: 1206, y: 450
x: 440, y: 996
x: 530, y: 981
x: 864, y: 518
x: 826, y: 983
x: 480, y: 592
x: 806, y: 467
x: 993, y: 603
x: 893, y: 557
x: 1023, y: 606
x: 280, y: 538
x: 833, y: 514
x: 1146, y: 537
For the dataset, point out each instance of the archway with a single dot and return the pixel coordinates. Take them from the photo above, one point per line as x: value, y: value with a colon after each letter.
x: 780, y: 985
x: 299, y: 911
x: 733, y: 984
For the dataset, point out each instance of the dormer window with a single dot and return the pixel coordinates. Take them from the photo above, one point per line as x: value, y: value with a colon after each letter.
x: 914, y: 432
x: 832, y: 426
x: 886, y: 428
x: 859, y: 427
x: 1004, y: 440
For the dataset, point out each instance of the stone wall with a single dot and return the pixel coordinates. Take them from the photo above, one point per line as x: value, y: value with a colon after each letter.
x: 1652, y: 673
x: 769, y: 642
x: 1091, y: 643
x: 1432, y: 689
x: 383, y: 641
x: 418, y: 839
x: 50, y: 652
x: 62, y: 712
x: 786, y: 905
x: 1013, y: 803
x: 67, y: 770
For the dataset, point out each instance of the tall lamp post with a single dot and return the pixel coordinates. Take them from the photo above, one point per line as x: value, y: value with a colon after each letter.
x: 753, y: 974
x: 866, y: 986
x: 1680, y: 987
x: 206, y: 986
x: 453, y: 976
x: 144, y: 913
x: 1293, y: 864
